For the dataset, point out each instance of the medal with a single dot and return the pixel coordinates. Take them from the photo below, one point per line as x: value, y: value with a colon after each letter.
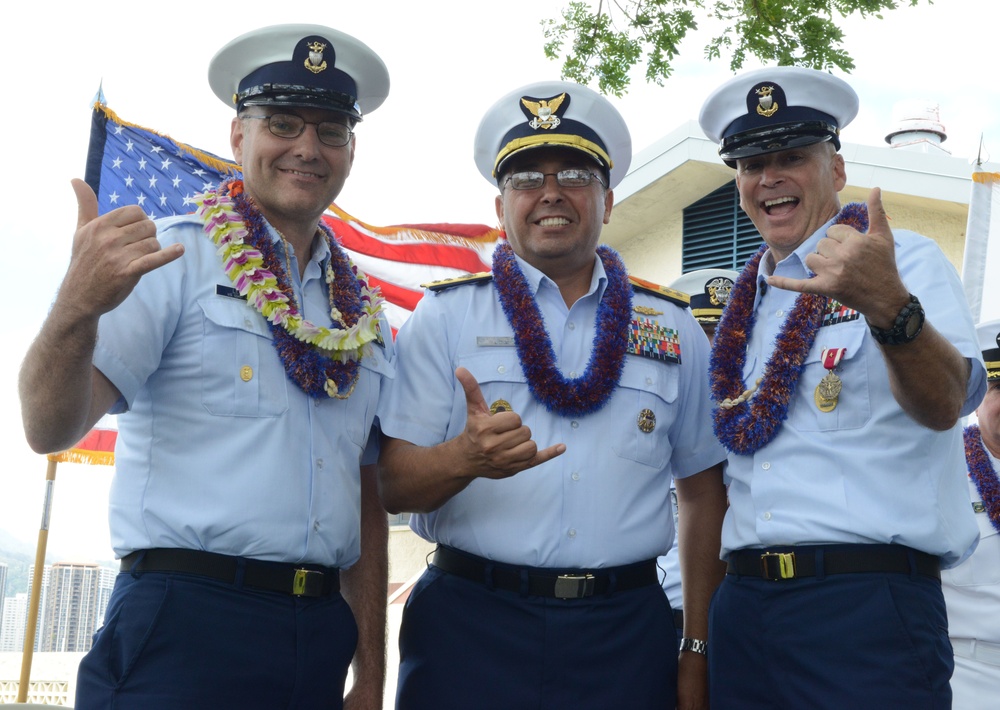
x: 828, y: 390
x: 646, y: 421
x: 501, y: 405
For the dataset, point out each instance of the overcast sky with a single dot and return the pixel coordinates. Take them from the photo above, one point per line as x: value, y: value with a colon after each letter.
x: 448, y: 61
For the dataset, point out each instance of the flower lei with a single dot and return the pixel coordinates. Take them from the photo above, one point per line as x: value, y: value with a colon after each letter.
x: 592, y: 390
x: 745, y: 429
x: 982, y: 473
x: 321, y: 361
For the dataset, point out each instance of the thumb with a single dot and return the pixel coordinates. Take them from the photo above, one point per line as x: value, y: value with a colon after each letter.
x: 474, y: 401
x: 878, y: 221
x: 86, y: 202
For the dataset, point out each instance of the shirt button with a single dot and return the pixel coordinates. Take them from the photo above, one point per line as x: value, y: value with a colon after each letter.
x: 319, y: 463
x: 575, y: 476
x: 571, y: 325
x: 779, y: 313
x: 649, y: 380
x: 246, y: 322
x: 575, y: 424
x: 571, y: 533
x: 316, y: 525
x: 766, y: 466
x: 501, y: 369
x: 767, y: 516
x: 572, y: 375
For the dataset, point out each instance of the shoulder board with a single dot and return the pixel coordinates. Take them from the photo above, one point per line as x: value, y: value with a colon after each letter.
x: 679, y: 297
x: 481, y: 277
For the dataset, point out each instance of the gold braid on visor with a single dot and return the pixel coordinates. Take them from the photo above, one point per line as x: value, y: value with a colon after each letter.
x: 552, y: 139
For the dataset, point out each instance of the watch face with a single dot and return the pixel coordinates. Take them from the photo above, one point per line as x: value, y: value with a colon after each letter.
x: 913, y: 324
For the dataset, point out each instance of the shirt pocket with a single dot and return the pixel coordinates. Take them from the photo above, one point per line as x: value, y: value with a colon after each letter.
x: 242, y: 375
x: 500, y: 378
x: 983, y: 568
x: 853, y: 409
x: 643, y: 412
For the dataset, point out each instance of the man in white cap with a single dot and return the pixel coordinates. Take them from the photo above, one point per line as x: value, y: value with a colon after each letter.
x: 840, y: 369
x: 709, y: 291
x: 543, y: 590
x: 972, y: 589
x: 246, y: 358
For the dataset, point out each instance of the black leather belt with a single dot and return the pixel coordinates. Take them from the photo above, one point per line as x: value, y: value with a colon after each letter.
x: 534, y: 581
x: 297, y: 580
x: 818, y: 560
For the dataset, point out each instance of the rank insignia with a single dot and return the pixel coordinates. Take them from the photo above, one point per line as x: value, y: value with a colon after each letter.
x: 501, y: 405
x: 647, y: 311
x: 315, y: 62
x: 544, y: 113
x: 836, y: 312
x: 647, y: 338
x: 646, y: 421
x: 766, y: 105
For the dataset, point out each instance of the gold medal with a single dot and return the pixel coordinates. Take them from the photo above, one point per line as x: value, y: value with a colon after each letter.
x: 828, y: 390
x: 646, y: 421
x: 501, y: 405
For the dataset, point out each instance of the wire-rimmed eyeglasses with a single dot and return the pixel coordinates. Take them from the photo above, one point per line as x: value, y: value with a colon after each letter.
x: 288, y: 125
x: 571, y: 177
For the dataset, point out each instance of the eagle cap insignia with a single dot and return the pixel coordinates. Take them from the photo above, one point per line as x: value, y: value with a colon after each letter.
x: 315, y: 62
x: 719, y: 290
x: 544, y: 113
x: 766, y: 105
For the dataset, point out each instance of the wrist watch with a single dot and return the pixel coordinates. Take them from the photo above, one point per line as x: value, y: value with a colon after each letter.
x: 905, y: 328
x: 696, y: 645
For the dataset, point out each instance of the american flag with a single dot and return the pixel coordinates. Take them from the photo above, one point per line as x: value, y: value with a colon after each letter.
x: 128, y: 165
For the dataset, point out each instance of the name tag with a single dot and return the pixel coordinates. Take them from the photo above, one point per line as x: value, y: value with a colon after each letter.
x: 495, y: 341
x: 228, y: 292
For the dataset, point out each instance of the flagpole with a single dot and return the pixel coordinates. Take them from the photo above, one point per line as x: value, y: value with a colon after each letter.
x: 36, y: 586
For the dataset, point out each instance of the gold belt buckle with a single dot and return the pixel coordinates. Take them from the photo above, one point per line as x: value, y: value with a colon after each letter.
x: 307, y: 583
x: 777, y: 565
x: 574, y: 586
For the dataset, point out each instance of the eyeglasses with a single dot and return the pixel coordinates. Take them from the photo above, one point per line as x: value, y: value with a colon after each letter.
x: 288, y: 125
x: 573, y: 177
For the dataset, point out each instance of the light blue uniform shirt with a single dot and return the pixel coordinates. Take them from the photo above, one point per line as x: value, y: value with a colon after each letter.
x: 218, y: 449
x: 605, y: 501
x: 864, y: 472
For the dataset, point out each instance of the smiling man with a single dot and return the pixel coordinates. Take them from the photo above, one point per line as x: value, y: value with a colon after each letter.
x: 540, y: 414
x: 245, y: 357
x: 840, y: 369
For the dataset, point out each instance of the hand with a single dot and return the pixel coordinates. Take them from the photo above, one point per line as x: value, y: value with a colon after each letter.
x: 110, y: 253
x: 859, y: 270
x: 497, y: 445
x: 692, y: 681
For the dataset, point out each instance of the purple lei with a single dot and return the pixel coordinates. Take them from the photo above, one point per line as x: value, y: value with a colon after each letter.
x: 751, y: 425
x: 982, y: 473
x: 592, y: 390
x: 304, y: 363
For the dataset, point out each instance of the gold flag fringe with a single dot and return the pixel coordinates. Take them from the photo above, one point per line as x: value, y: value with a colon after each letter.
x: 95, y: 458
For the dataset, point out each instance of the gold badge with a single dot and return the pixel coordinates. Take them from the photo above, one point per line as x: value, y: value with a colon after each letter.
x: 766, y: 105
x: 647, y: 311
x: 827, y: 392
x: 501, y: 405
x: 544, y: 111
x: 315, y: 62
x: 646, y: 421
x: 246, y: 373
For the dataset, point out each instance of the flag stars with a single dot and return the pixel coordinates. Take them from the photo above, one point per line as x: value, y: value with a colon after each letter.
x: 142, y: 163
x: 118, y: 130
x: 129, y: 180
x: 199, y: 172
x: 156, y: 149
x: 176, y: 181
x: 152, y: 181
x: 163, y: 200
x: 165, y: 164
x: 140, y: 200
x: 117, y: 163
x: 114, y: 198
x: 129, y: 145
x: 207, y: 186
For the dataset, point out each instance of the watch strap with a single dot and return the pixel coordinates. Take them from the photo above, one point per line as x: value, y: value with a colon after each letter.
x: 897, y: 334
x: 695, y: 645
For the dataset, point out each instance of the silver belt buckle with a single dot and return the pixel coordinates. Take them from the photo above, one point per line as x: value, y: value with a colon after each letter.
x: 574, y: 586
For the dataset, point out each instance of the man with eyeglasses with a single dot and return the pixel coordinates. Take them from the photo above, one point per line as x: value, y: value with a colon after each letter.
x: 245, y: 358
x: 537, y: 419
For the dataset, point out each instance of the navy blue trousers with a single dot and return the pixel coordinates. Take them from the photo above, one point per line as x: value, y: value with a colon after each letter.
x: 873, y: 641
x: 463, y: 646
x: 180, y: 641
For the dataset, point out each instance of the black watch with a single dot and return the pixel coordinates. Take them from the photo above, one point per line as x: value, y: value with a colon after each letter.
x: 905, y: 328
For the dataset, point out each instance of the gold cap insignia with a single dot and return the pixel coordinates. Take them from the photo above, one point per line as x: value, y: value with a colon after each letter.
x: 544, y: 111
x: 766, y: 105
x: 501, y: 405
x: 315, y: 62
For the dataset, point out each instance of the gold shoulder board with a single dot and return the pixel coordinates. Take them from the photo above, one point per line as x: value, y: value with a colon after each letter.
x: 481, y: 277
x: 677, y: 297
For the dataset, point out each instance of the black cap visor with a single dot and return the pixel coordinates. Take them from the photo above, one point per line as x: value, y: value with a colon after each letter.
x: 301, y: 96
x: 776, y: 138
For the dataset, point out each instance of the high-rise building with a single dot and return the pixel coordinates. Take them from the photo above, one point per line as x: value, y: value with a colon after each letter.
x: 74, y: 606
x: 3, y: 590
x: 15, y: 614
x: 41, y: 601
